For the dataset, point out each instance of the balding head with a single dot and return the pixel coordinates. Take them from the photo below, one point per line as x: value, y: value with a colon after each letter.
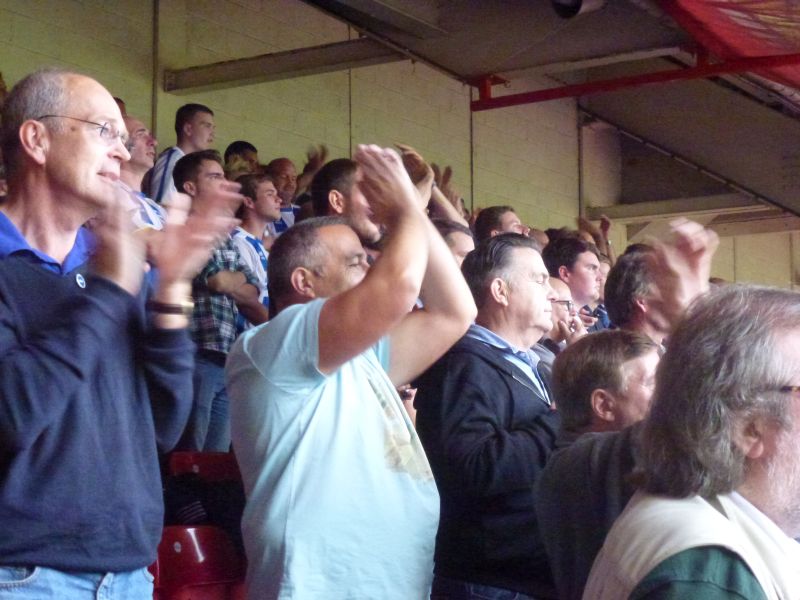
x: 41, y: 93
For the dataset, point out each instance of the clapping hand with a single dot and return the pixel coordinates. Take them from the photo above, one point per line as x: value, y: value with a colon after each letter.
x: 385, y: 182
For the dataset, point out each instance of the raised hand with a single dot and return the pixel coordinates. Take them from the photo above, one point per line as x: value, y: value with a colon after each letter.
x: 120, y: 254
x: 682, y: 265
x: 188, y: 239
x: 385, y: 183
x: 597, y: 235
x: 572, y: 329
x: 422, y: 174
x: 605, y: 225
x: 315, y: 158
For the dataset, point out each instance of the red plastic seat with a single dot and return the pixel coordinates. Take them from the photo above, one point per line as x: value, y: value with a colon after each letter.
x: 197, y: 563
x: 209, y: 466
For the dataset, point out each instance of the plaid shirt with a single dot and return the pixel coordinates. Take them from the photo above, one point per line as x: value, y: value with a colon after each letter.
x: 214, y: 316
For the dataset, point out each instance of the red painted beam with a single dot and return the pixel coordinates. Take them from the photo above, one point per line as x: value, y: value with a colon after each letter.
x: 702, y: 71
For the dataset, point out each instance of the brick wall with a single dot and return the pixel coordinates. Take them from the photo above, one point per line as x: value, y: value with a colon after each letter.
x: 525, y: 156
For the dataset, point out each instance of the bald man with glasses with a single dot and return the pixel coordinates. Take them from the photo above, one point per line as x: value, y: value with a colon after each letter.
x: 95, y: 359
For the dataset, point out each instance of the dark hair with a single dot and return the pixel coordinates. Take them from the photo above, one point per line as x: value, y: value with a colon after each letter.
x: 338, y: 174
x: 722, y: 369
x: 564, y: 251
x: 445, y: 227
x: 43, y: 92
x: 238, y: 147
x: 629, y: 279
x: 188, y: 166
x: 250, y: 183
x: 593, y: 362
x: 186, y: 113
x: 296, y: 247
x: 554, y: 233
x: 490, y: 259
x: 638, y: 247
x: 488, y: 220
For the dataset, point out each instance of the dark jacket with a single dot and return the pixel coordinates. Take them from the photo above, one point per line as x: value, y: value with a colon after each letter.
x: 583, y: 490
x: 488, y: 434
x: 87, y: 390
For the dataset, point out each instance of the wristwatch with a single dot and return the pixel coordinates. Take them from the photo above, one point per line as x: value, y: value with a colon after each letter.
x: 185, y: 308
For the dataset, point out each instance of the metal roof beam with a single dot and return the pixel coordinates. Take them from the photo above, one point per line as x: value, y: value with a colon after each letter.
x: 700, y: 71
x: 313, y: 60
x: 646, y: 211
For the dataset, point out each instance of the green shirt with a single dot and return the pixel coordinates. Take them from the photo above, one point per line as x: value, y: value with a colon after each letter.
x: 704, y: 573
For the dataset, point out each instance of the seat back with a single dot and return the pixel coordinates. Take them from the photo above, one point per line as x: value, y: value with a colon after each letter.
x: 208, y: 466
x: 196, y: 556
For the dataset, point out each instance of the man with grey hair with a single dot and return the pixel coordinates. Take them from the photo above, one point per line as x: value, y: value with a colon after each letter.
x: 488, y: 424
x: 93, y: 381
x: 719, y: 501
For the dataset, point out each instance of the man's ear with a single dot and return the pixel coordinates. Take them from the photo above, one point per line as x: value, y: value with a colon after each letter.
x: 603, y: 403
x: 336, y: 201
x: 35, y: 140
x: 563, y: 273
x: 187, y: 130
x: 189, y: 188
x: 498, y: 288
x: 303, y: 282
x: 249, y: 202
x: 751, y: 437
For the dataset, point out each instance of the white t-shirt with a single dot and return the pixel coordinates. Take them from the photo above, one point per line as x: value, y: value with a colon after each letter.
x: 341, y: 501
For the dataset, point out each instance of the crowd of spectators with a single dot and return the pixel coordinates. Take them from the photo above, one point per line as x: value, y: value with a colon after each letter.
x: 423, y: 402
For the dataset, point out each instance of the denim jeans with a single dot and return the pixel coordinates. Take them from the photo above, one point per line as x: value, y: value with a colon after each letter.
x: 41, y: 583
x: 209, y: 427
x: 445, y: 588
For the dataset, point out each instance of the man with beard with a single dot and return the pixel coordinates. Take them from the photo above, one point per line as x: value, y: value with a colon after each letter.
x: 719, y: 502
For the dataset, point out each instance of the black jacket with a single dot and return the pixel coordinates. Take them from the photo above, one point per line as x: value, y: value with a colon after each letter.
x: 488, y: 433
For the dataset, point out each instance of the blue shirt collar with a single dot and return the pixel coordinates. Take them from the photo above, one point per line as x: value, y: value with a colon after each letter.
x: 487, y: 336
x: 13, y: 242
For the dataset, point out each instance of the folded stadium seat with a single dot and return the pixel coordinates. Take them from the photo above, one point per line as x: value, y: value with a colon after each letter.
x: 197, y: 563
x: 208, y: 466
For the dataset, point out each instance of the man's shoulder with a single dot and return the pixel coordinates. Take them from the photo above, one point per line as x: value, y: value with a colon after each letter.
x: 705, y: 572
x: 469, y: 348
x: 171, y: 153
x: 596, y: 450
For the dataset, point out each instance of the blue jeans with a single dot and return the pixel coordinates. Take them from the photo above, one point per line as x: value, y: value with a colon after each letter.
x: 209, y: 427
x: 445, y: 588
x: 41, y: 583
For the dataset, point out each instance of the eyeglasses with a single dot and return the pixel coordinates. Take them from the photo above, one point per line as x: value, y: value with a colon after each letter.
x: 108, y: 132
x: 568, y: 304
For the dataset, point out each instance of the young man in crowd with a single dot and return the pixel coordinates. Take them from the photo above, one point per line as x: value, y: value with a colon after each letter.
x: 603, y: 382
x: 194, y: 129
x: 224, y: 288
x: 494, y: 220
x: 261, y: 205
x: 576, y: 263
x: 334, y: 192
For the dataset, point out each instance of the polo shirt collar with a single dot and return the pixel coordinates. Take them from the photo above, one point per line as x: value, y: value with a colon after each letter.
x: 13, y: 242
